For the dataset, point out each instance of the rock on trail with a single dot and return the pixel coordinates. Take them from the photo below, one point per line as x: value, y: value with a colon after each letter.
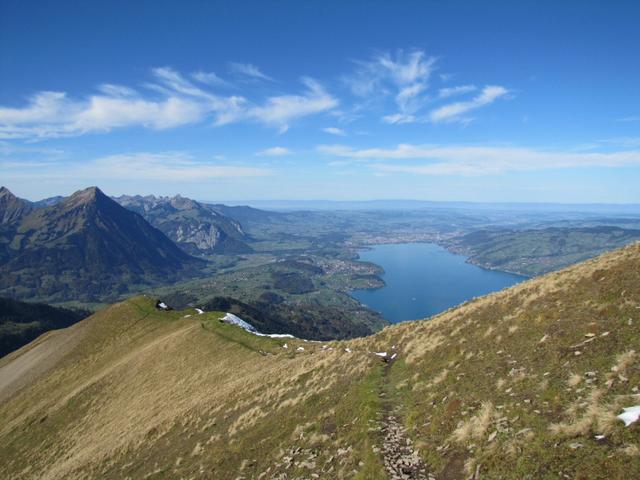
x: 400, y: 460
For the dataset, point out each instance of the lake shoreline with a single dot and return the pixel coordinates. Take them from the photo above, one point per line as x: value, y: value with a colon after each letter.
x: 423, y: 279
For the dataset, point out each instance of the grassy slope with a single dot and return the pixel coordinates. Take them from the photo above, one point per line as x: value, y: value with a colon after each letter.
x: 494, y: 386
x: 518, y: 383
x: 147, y: 392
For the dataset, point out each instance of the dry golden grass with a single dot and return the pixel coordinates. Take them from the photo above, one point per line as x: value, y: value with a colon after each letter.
x: 476, y: 427
x: 182, y: 394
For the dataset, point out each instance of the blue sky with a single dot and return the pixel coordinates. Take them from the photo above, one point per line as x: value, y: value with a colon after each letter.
x: 476, y: 101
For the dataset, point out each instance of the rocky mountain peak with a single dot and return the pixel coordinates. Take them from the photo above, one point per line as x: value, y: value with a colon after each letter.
x: 87, y: 196
x: 12, y: 208
x: 6, y: 193
x: 181, y: 203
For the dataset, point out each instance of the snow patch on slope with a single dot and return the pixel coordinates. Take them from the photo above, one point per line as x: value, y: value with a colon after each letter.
x: 235, y: 320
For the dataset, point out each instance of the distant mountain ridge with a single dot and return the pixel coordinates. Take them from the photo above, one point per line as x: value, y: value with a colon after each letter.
x: 83, y: 247
x: 536, y: 251
x: 244, y: 214
x: 196, y: 227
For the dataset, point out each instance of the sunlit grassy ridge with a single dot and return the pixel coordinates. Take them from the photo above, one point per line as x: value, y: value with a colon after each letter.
x: 513, y: 385
x: 149, y: 392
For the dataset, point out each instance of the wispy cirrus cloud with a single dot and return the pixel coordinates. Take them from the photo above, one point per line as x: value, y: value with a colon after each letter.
x: 403, y: 75
x: 209, y: 78
x: 147, y: 166
x: 280, y: 111
x: 169, y: 166
x: 171, y: 100
x: 447, y: 92
x: 248, y: 70
x: 335, y: 131
x: 274, y: 152
x: 456, y: 112
x: 477, y: 160
x: 176, y: 102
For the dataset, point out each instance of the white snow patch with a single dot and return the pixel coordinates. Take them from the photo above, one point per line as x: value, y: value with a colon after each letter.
x: 394, y: 356
x: 381, y: 354
x: 163, y: 305
x: 199, y: 311
x: 300, y: 349
x: 630, y: 415
x: 235, y: 320
x: 348, y: 350
x: 285, y: 346
x: 274, y: 335
x: 187, y: 316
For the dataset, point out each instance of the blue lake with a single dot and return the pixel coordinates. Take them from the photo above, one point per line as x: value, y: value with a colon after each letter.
x: 423, y: 279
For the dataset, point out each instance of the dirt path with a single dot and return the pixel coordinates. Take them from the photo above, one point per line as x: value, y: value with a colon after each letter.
x: 401, y: 461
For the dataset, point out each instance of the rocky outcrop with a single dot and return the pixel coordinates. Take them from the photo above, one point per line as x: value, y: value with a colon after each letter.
x: 195, y: 227
x: 12, y: 208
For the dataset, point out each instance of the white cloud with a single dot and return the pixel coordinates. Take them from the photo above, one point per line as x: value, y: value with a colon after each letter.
x: 117, y: 90
x: 274, y: 152
x: 335, y: 131
x: 399, y: 118
x: 248, y: 70
x: 54, y: 114
x: 478, y: 160
x: 209, y: 78
x: 164, y: 166
x: 141, y: 166
x: 407, y: 98
x: 172, y: 100
x: 106, y: 113
x: 403, y: 75
x: 7, y: 148
x: 454, y: 112
x: 453, y: 91
x: 280, y: 111
x: 407, y: 69
x: 42, y: 107
x: 176, y: 83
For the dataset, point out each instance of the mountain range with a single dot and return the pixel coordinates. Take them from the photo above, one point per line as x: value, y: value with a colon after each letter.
x: 529, y: 382
x: 84, y: 247
x: 197, y: 228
